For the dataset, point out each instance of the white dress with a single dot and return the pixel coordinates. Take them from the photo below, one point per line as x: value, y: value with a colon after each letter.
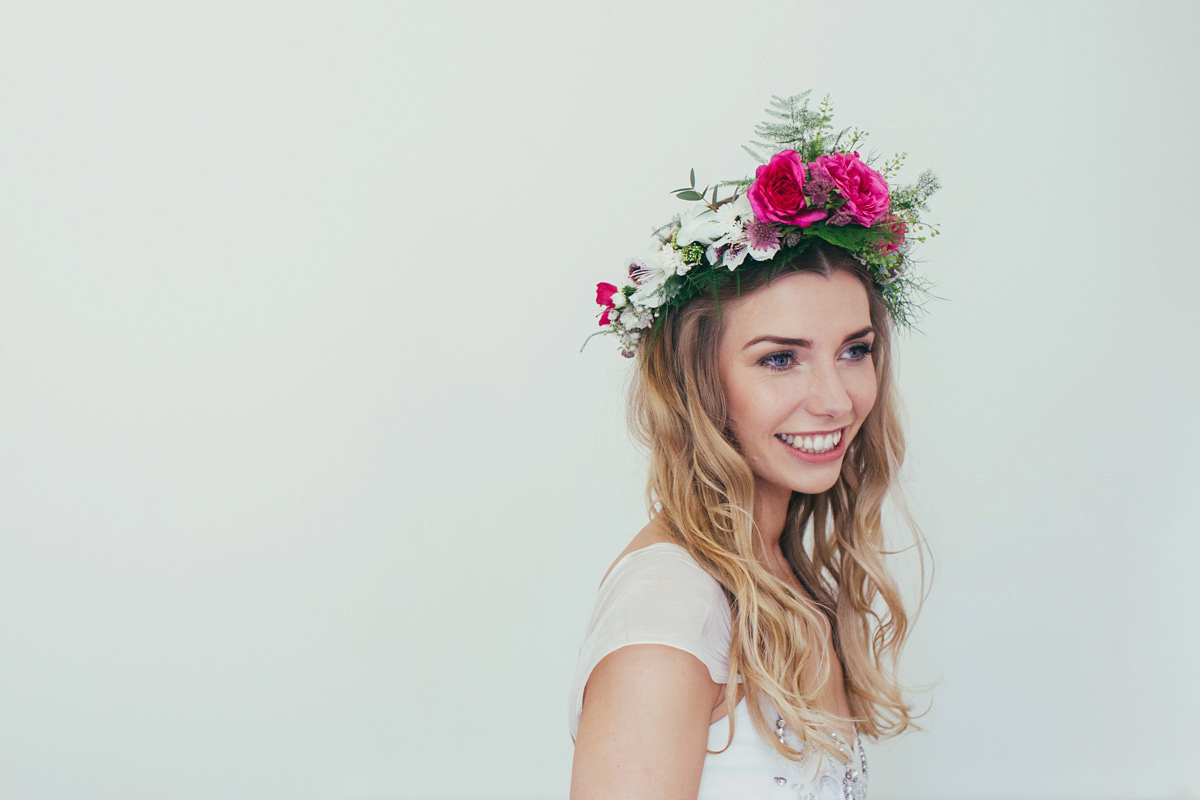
x: 660, y: 595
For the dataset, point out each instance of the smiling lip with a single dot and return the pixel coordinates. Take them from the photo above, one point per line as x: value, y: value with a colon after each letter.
x: 818, y: 458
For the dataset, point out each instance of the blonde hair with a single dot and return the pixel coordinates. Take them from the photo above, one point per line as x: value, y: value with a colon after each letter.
x: 702, y: 490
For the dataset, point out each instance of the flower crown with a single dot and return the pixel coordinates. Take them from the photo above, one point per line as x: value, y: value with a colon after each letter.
x: 812, y: 186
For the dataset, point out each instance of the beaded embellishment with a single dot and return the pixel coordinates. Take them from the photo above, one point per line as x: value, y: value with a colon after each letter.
x: 854, y: 778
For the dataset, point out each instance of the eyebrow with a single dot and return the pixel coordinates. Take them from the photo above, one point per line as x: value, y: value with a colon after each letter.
x: 801, y: 342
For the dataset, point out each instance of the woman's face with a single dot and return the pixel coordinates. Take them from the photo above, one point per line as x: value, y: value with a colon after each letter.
x: 794, y: 358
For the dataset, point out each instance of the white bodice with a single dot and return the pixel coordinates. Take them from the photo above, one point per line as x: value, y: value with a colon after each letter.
x: 751, y: 768
x: 660, y: 595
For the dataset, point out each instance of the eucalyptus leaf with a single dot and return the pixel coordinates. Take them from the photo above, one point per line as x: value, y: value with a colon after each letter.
x: 689, y: 194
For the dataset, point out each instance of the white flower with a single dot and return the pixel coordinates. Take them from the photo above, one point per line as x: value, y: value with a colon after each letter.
x: 631, y: 320
x: 618, y: 299
x: 735, y: 213
x: 729, y: 250
x: 699, y: 224
x: 649, y: 295
x: 650, y: 273
x: 745, y: 236
x: 672, y: 260
x: 645, y: 269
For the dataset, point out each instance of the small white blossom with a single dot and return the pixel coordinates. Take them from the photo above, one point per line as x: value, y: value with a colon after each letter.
x: 672, y: 260
x: 632, y: 320
x: 734, y: 214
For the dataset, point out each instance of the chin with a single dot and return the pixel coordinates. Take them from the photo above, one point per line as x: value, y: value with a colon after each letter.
x: 816, y: 485
x: 815, y: 481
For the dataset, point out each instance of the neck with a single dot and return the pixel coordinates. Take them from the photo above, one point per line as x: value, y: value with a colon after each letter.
x: 770, y: 513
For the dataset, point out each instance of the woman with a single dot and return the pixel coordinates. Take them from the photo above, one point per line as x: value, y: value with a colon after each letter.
x: 738, y: 644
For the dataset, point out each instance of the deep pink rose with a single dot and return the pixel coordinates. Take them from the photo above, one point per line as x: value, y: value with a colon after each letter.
x: 864, y: 189
x: 898, y: 229
x: 604, y: 296
x: 777, y: 194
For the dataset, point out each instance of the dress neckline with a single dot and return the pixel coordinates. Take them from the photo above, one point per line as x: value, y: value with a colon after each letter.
x: 855, y: 745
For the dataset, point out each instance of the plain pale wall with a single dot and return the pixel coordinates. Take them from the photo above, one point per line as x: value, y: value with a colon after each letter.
x: 306, y: 489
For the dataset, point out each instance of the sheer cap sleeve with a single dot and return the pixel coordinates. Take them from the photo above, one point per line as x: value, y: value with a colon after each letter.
x: 656, y: 595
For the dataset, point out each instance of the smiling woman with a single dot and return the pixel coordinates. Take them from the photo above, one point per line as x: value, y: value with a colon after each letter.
x: 743, y: 642
x: 795, y: 366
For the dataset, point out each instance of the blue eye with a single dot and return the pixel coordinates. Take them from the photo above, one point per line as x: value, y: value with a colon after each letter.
x: 777, y: 361
x: 860, y: 352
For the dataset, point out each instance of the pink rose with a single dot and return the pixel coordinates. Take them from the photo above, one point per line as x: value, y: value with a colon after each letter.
x: 777, y: 194
x: 604, y: 296
x: 898, y: 229
x: 864, y: 189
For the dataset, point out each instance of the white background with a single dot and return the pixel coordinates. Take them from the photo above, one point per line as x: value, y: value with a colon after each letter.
x: 305, y: 488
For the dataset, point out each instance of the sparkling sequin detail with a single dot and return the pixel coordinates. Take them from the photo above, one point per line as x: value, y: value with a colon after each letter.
x: 853, y: 779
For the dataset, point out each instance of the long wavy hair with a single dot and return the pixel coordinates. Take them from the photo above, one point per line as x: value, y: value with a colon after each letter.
x: 701, y: 490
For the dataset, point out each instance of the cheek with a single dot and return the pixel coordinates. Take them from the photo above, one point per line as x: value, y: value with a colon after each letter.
x: 751, y: 408
x: 740, y: 408
x: 864, y: 394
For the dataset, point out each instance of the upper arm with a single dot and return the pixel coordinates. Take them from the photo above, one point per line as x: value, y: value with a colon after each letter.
x: 643, y: 732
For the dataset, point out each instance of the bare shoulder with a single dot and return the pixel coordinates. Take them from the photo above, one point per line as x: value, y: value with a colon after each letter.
x: 653, y: 533
x: 646, y: 712
x: 644, y: 727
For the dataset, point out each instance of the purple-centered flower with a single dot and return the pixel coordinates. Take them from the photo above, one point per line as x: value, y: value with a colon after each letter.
x: 762, y: 238
x: 729, y: 252
x: 818, y: 187
x: 842, y: 216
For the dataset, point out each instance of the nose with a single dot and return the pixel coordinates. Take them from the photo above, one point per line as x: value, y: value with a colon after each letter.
x: 827, y: 396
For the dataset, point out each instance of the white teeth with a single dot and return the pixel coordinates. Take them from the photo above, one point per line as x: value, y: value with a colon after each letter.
x: 811, y: 444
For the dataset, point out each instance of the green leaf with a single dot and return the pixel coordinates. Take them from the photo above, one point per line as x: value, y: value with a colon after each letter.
x: 850, y: 237
x: 689, y: 194
x: 693, y: 178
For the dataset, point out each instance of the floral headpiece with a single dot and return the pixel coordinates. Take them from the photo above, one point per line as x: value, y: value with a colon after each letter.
x: 812, y: 186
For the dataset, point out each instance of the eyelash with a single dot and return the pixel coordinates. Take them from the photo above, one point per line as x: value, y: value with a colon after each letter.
x: 866, y: 351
